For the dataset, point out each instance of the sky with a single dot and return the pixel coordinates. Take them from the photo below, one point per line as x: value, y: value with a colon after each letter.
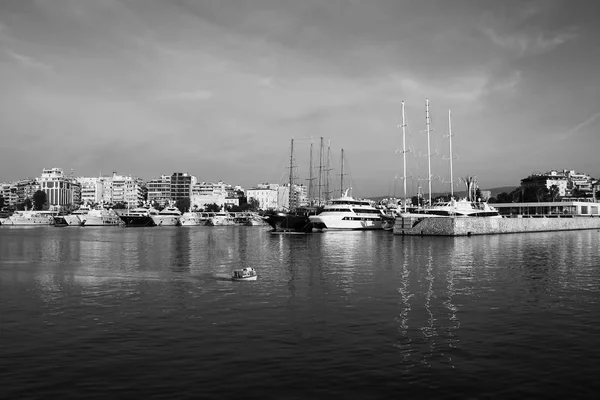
x: 219, y: 88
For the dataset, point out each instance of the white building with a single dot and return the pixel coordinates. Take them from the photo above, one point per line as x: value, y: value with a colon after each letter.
x: 91, y: 189
x: 60, y: 190
x: 265, y: 194
x: 122, y: 189
x: 205, y: 193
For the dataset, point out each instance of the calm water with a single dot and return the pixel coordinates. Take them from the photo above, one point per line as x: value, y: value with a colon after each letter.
x: 150, y: 313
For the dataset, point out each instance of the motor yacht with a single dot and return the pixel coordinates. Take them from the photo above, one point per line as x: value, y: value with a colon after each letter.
x: 169, y: 216
x: 347, y: 213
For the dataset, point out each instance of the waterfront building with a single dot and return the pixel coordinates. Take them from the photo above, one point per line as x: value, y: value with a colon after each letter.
x: 91, y: 189
x: 298, y: 197
x: 547, y: 180
x: 26, y: 188
x: 566, y: 207
x: 569, y: 182
x: 206, y: 193
x: 8, y: 191
x: 231, y: 201
x: 61, y: 190
x: 181, y: 185
x: 578, y: 182
x: 159, y: 190
x: 265, y: 194
x: 122, y: 189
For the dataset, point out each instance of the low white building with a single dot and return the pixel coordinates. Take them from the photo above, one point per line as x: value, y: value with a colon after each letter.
x: 265, y: 194
x: 206, y: 193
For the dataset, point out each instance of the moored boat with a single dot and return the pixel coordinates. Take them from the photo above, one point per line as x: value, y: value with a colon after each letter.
x: 221, y: 218
x: 294, y: 221
x: 138, y: 217
x: 30, y: 217
x: 100, y: 216
x: 169, y: 216
x: 347, y: 213
x: 244, y: 274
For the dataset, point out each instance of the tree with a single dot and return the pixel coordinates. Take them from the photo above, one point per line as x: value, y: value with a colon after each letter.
x: 39, y: 199
x: 554, y: 191
x: 504, y: 198
x: 471, y: 184
x: 183, y: 204
x: 214, y: 207
x: 1, y: 202
x: 254, y: 204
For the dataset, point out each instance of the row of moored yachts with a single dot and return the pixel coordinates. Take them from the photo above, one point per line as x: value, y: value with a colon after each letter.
x: 137, y: 217
x: 344, y: 213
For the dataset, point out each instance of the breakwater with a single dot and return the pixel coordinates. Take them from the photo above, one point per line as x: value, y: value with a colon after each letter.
x: 466, y: 226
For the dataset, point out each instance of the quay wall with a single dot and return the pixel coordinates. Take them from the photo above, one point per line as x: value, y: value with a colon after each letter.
x: 489, y: 226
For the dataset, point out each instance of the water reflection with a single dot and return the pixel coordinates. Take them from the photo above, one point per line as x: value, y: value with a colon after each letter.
x: 333, y: 303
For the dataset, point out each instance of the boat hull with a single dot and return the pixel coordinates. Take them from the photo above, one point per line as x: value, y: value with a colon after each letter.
x: 162, y: 220
x: 249, y: 278
x: 337, y: 223
x: 293, y: 223
x: 102, y: 221
x: 137, y: 221
x: 67, y: 220
x: 34, y: 221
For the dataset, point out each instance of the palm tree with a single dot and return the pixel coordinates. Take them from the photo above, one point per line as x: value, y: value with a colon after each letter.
x: 471, y: 184
x: 554, y: 192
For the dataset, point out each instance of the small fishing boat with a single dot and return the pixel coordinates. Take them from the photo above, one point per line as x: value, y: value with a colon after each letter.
x: 244, y: 274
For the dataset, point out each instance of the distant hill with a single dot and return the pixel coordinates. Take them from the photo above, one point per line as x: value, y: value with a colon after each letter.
x: 495, y: 193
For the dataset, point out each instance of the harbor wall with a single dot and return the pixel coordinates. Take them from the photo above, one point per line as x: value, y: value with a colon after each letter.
x: 465, y: 226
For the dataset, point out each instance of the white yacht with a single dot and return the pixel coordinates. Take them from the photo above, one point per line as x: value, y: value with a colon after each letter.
x: 77, y: 217
x: 100, y: 216
x: 454, y: 208
x: 169, y: 216
x: 347, y: 213
x: 195, y: 218
x: 30, y: 217
x: 221, y: 218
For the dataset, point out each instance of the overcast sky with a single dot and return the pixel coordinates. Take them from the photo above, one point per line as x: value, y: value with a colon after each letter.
x: 219, y: 88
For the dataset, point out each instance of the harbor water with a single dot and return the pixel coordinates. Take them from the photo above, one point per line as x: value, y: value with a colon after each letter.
x: 111, y: 312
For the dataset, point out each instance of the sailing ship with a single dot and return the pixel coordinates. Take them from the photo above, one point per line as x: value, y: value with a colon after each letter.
x: 466, y: 207
x: 296, y: 218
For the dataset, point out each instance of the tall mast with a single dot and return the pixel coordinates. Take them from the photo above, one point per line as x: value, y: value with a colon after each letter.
x: 291, y: 174
x: 342, y: 176
x: 320, y: 168
x: 427, y: 122
x: 450, y: 139
x: 310, y: 178
x: 327, y: 170
x: 404, y: 151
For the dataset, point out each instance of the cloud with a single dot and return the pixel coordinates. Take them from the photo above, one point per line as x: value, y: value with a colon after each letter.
x: 530, y: 43
x: 581, y: 125
x: 196, y: 95
x: 470, y: 88
x: 27, y: 61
